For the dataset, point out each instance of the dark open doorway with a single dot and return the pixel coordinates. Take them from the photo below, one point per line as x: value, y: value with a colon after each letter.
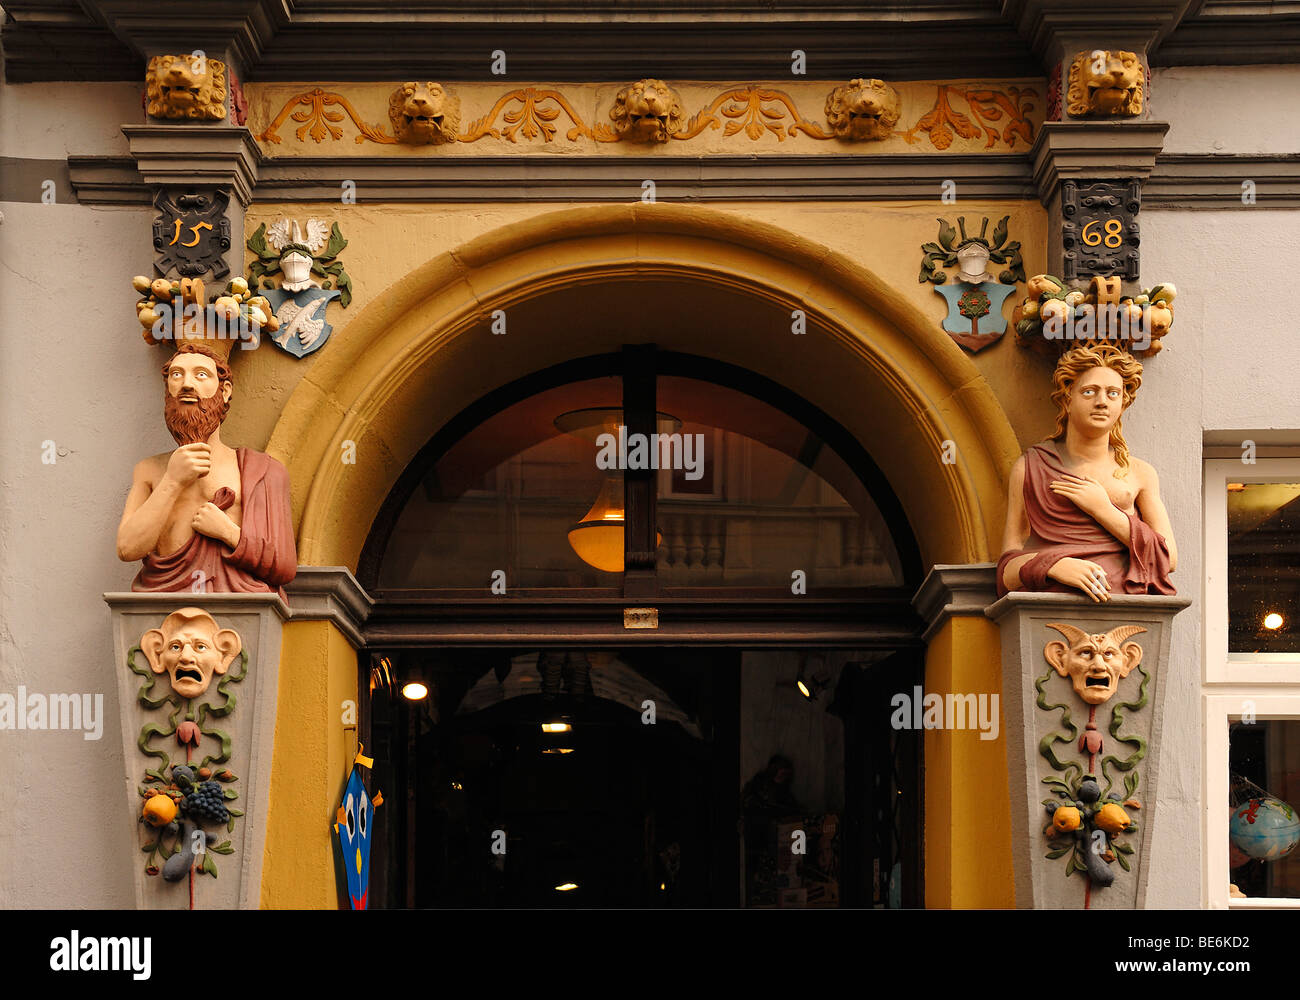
x: 493, y: 810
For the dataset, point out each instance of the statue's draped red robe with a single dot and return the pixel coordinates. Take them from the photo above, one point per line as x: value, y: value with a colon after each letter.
x: 1058, y: 530
x: 265, y: 558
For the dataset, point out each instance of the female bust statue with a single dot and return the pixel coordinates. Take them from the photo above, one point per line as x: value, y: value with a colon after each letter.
x: 1082, y: 513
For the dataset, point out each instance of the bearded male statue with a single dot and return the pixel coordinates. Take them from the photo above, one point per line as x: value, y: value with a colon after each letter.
x: 206, y: 517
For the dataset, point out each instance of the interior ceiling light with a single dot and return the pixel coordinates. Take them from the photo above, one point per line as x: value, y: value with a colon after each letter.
x: 1273, y: 620
x: 812, y: 679
x: 556, y: 727
x: 598, y: 537
x: 414, y: 691
x: 558, y: 750
x: 566, y: 887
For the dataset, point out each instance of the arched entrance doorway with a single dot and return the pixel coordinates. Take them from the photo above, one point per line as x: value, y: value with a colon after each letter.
x: 782, y: 569
x: 582, y: 282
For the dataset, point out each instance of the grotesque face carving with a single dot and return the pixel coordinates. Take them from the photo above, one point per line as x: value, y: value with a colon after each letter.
x: 863, y: 109
x: 190, y: 648
x: 1094, y: 663
x: 186, y: 87
x: 647, y: 111
x: 1105, y: 83
x: 423, y: 114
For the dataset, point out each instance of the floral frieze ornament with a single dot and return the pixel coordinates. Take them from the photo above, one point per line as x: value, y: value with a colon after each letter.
x: 310, y: 278
x: 424, y: 114
x: 862, y: 110
x: 189, y: 87
x: 1105, y: 84
x: 185, y: 801
x: 975, y: 297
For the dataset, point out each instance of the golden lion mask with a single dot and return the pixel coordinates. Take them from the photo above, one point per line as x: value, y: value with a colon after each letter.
x: 1116, y: 90
x: 647, y: 111
x: 863, y: 109
x: 186, y: 87
x: 424, y: 114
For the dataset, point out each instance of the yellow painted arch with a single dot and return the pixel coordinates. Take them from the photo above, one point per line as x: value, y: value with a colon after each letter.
x: 703, y: 281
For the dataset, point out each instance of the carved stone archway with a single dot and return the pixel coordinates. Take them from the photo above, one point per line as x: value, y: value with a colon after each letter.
x: 706, y: 281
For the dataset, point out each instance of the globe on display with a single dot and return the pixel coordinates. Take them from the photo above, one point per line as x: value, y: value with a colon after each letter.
x: 1264, y: 828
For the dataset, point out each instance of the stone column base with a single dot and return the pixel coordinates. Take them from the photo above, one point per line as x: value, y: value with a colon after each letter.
x: 1046, y: 720
x: 240, y: 713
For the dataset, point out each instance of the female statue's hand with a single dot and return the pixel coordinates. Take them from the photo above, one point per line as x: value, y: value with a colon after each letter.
x: 1085, y: 492
x: 1087, y: 576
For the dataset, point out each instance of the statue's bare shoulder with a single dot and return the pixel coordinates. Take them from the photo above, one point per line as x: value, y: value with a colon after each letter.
x: 149, y: 470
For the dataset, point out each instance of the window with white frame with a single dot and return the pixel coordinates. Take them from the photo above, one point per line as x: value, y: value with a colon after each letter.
x: 1252, y: 680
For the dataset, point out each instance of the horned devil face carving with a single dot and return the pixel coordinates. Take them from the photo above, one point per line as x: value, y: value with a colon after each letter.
x: 1094, y: 663
x: 190, y: 648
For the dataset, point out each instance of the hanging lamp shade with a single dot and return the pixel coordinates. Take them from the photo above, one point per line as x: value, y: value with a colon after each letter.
x: 598, y: 537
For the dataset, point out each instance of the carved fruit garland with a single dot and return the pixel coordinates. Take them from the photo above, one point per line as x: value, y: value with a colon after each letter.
x: 180, y: 798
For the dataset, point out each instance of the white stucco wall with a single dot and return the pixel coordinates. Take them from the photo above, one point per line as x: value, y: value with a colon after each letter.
x: 71, y: 375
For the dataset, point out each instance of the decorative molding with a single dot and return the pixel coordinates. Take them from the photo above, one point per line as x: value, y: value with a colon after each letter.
x: 1051, y: 25
x: 1090, y: 151
x: 950, y: 590
x: 398, y: 621
x: 55, y: 40
x: 530, y: 113
x: 330, y: 593
x: 1218, y: 181
x: 1178, y: 181
x: 941, y: 123
x: 188, y: 156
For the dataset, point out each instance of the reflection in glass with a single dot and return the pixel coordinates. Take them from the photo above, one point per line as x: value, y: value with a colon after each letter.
x: 1263, y: 567
x: 1263, y: 826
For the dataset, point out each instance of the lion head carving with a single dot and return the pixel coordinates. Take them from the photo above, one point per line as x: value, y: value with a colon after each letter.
x: 186, y: 87
x: 1105, y: 83
x: 862, y: 109
x: 424, y: 114
x: 647, y: 111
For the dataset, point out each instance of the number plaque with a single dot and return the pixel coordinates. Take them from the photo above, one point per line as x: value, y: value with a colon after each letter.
x: 1099, y: 234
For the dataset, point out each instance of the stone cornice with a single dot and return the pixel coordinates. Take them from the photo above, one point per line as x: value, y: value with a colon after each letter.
x: 949, y: 590
x: 237, y: 29
x: 1094, y: 151
x: 1051, y: 26
x: 330, y: 593
x: 618, y: 39
x: 1179, y: 181
x: 167, y: 601
x: 196, y: 156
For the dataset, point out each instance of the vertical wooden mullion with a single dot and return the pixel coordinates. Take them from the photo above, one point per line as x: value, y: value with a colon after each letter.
x: 639, y: 485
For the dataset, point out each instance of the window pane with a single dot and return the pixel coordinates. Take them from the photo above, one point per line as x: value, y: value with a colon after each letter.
x: 767, y: 497
x: 1263, y: 567
x: 1263, y: 829
x: 504, y: 497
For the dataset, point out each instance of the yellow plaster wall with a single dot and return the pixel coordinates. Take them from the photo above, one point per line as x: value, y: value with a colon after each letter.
x: 967, y: 800
x: 388, y: 243
x: 313, y: 754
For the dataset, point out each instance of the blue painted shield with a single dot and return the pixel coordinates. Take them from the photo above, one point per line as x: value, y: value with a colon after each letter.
x: 975, y: 317
x: 302, y: 319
